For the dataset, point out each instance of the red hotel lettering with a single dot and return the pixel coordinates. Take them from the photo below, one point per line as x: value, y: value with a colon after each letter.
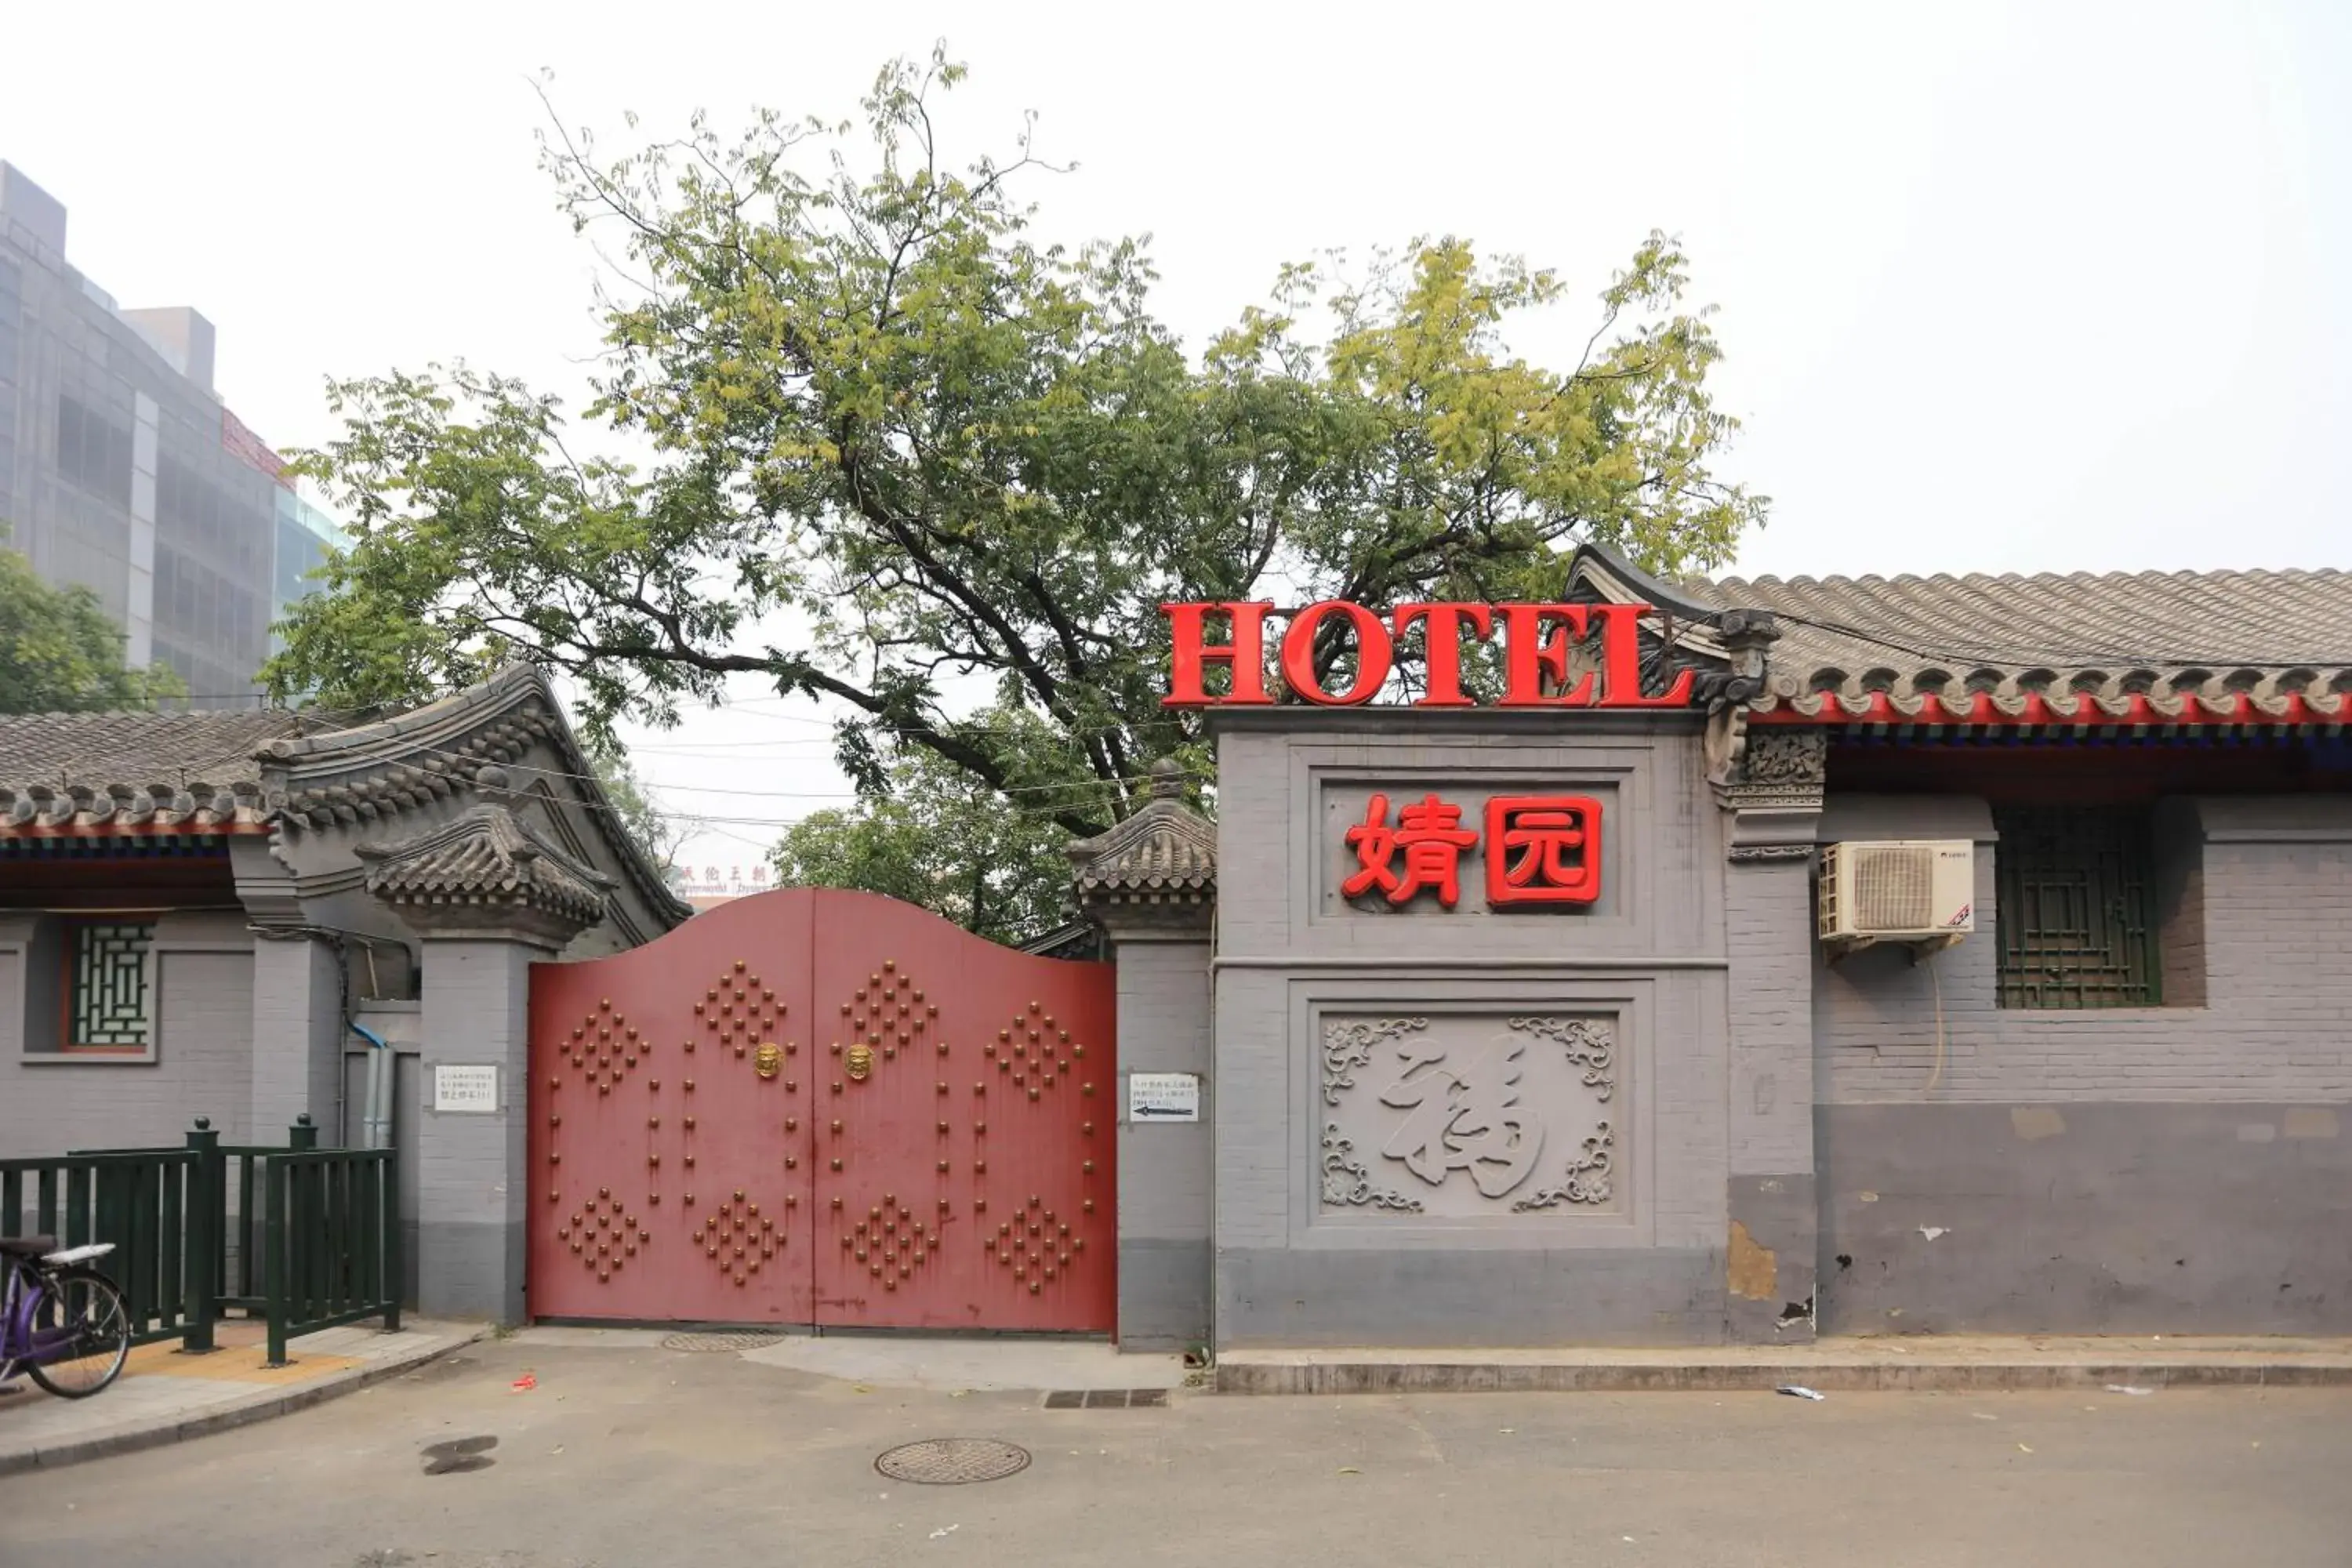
x: 1536, y: 643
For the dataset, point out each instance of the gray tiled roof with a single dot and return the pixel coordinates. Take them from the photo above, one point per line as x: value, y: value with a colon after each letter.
x: 135, y: 766
x: 2171, y: 635
x: 485, y: 857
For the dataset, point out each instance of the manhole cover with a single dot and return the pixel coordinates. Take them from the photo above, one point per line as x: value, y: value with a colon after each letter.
x: 714, y: 1343
x: 954, y: 1461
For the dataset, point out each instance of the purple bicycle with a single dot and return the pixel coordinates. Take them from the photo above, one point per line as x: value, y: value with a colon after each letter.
x: 60, y: 1321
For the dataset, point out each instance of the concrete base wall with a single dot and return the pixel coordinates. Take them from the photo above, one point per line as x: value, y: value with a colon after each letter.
x: 1422, y: 1296
x: 2086, y: 1218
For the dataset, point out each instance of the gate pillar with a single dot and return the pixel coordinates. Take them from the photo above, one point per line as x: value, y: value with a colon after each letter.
x: 489, y: 896
x: 1151, y: 884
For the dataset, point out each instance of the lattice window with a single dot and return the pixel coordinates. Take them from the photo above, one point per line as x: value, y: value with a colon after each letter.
x: 110, y: 996
x: 2074, y: 908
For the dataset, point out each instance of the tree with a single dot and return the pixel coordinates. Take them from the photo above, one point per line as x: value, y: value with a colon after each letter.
x: 967, y: 466
x: 60, y: 654
x: 939, y: 837
x: 660, y: 834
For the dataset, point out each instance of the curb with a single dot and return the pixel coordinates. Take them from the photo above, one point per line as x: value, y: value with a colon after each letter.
x: 262, y: 1407
x: 1490, y: 1377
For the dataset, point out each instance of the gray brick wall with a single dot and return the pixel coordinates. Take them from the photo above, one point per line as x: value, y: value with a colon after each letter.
x: 471, y: 1197
x: 1650, y: 956
x: 2274, y: 882
x: 1767, y: 933
x: 204, y: 1019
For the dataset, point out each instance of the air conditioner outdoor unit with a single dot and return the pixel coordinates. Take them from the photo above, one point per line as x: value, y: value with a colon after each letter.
x: 1897, y: 891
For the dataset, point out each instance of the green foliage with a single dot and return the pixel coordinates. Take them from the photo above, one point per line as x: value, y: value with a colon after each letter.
x: 937, y: 836
x: 60, y: 654
x: 963, y: 469
x: 660, y: 834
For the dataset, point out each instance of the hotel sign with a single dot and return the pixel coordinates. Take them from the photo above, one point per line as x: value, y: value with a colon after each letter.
x: 1537, y: 643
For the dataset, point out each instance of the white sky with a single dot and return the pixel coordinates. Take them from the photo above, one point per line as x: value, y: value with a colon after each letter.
x: 2003, y: 288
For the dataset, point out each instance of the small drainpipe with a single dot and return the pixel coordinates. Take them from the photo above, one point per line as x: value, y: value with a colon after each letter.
x: 377, y: 1116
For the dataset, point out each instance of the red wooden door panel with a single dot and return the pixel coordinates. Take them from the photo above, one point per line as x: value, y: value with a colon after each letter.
x: 670, y: 1141
x: 966, y: 1151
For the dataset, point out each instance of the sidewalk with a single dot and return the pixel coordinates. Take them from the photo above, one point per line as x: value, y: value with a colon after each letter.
x: 166, y: 1396
x: 1983, y: 1362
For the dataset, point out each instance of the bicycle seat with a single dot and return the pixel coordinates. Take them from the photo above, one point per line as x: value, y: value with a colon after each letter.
x: 27, y: 1246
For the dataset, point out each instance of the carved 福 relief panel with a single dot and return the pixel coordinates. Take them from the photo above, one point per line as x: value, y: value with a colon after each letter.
x: 1469, y: 1116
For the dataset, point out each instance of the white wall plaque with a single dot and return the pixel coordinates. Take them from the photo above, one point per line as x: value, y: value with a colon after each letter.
x: 465, y: 1089
x: 1163, y: 1097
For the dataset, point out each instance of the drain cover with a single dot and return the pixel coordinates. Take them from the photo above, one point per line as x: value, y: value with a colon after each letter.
x: 712, y: 1342
x: 954, y: 1461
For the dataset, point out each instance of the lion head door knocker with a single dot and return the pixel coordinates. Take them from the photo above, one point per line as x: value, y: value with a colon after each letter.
x: 768, y: 1058
x: 860, y: 1062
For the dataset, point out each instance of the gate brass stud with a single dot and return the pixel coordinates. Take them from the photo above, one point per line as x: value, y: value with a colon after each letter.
x: 1049, y: 1271
x: 1078, y: 1051
x: 563, y: 1234
x: 689, y: 1200
x: 836, y: 1164
x: 653, y: 1159
x: 555, y: 1196
x: 605, y: 1006
x: 554, y: 1157
x: 655, y: 1083
x: 980, y: 1167
x: 1034, y: 1286
x: 554, y: 1083
x: 1088, y: 1206
x: 792, y: 1048
x: 836, y: 1125
x: 604, y: 1087
x: 837, y: 1203
x: 1064, y: 1229
x: 689, y: 1162
x: 739, y: 1051
x: 836, y: 1048
x: 1065, y: 1260
x: 861, y: 1254
x: 872, y: 980
x: 943, y: 1127
x: 577, y: 1032
x: 555, y: 1121
x: 980, y: 1126
x: 752, y: 1209
x: 1033, y: 1092
x: 931, y: 1010
x: 943, y: 1206
x: 739, y: 966
x: 1035, y: 1008
x: 739, y: 1194
x: 980, y: 1205
x: 845, y: 1009
x: 979, y: 1088
x: 652, y: 1197
x: 943, y: 1166
x: 889, y: 1053
x: 698, y: 1006
x: 1079, y: 1244
x: 904, y: 1270
x: 690, y: 1086
x: 890, y: 963
x: 792, y: 1200
x: 738, y: 1280
x: 653, y: 1122
x: 791, y: 1123
x: 1088, y: 1167
x: 847, y: 1244
x: 1087, y: 1128
x: 689, y: 1124
x: 1004, y: 1063
x: 943, y: 1047
x: 1086, y: 1088
x: 792, y: 1085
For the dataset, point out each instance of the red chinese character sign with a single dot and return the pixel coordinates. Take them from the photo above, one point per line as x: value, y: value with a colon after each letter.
x: 1541, y: 850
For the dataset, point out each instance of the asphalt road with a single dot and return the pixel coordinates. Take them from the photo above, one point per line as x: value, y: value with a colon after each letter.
x: 637, y: 1457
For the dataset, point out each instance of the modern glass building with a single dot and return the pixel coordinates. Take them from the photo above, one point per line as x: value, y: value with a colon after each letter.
x: 122, y: 471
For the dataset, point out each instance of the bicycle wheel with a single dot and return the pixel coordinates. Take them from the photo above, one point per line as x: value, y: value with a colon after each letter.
x: 83, y: 1316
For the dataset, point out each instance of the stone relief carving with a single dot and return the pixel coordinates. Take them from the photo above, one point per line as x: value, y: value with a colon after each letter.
x: 1346, y: 1181
x: 1778, y: 755
x: 1347, y: 1046
x: 1588, y: 1176
x: 1466, y: 1107
x: 1587, y: 1043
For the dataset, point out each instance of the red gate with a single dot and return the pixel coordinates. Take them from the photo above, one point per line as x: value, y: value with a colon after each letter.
x: 821, y: 1107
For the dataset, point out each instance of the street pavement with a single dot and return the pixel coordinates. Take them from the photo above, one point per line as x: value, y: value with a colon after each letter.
x: 625, y: 1454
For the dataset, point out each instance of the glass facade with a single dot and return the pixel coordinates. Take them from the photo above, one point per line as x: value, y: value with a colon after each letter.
x: 121, y: 470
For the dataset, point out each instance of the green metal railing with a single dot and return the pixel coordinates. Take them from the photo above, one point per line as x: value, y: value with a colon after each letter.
x: 331, y: 1222
x: 302, y: 1236
x: 139, y: 1199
